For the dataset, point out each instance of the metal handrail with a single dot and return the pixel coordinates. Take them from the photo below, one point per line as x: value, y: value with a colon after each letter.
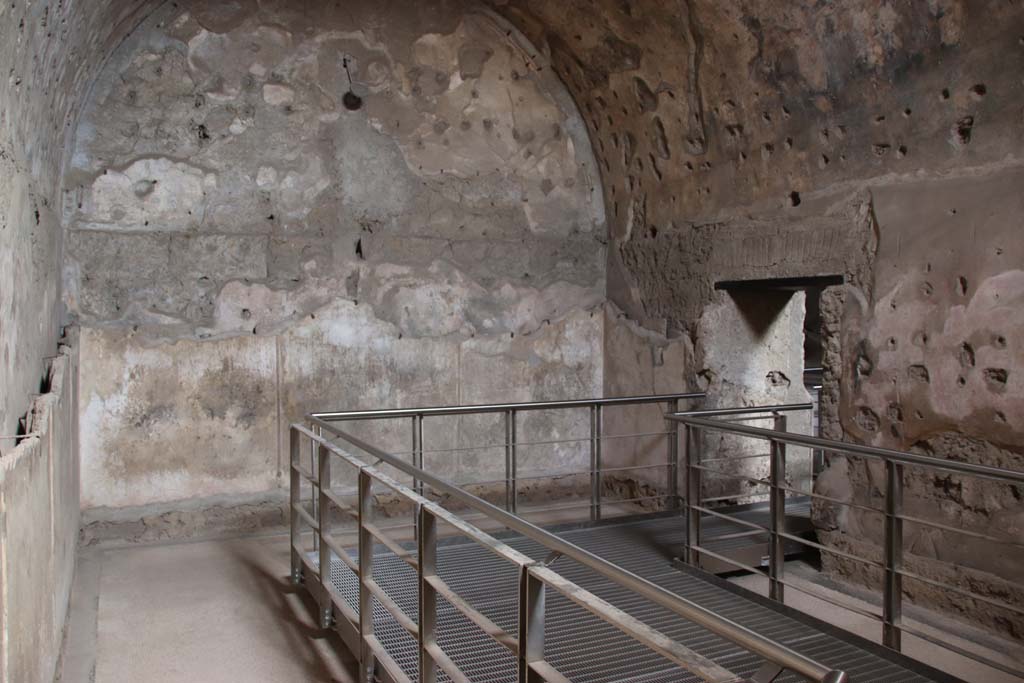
x: 749, y: 410
x: 726, y: 628
x: 527, y: 644
x: 893, y: 562
x: 345, y: 415
x: 843, y: 447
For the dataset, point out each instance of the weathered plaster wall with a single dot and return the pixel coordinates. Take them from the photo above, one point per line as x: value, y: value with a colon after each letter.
x: 875, y: 140
x: 639, y: 361
x: 39, y: 519
x: 49, y: 51
x: 932, y: 365
x: 243, y: 248
x: 751, y: 344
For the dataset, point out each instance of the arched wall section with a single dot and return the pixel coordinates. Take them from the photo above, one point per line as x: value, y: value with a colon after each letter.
x: 746, y: 139
x: 50, y: 52
x: 243, y: 247
x: 882, y: 141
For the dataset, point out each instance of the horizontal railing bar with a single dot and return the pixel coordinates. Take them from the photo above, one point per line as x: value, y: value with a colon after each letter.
x: 499, y: 634
x: 736, y: 457
x: 836, y: 501
x: 563, y: 475
x: 339, y: 503
x: 305, y: 474
x: 306, y: 517
x: 487, y: 541
x: 496, y: 446
x: 799, y: 492
x: 749, y: 410
x: 831, y: 550
x: 845, y: 448
x: 405, y: 555
x: 832, y: 601
x: 966, y: 532
x: 342, y: 554
x: 960, y: 591
x: 445, y: 662
x: 734, y: 520
x: 963, y: 652
x: 606, y: 501
x: 688, y: 609
x: 733, y: 536
x: 731, y: 496
x: 702, y: 550
x: 476, y: 516
x: 391, y: 606
x: 634, y: 628
x: 345, y: 415
x: 789, y: 584
x: 339, y: 602
x: 730, y: 475
x: 384, y: 657
x: 786, y: 535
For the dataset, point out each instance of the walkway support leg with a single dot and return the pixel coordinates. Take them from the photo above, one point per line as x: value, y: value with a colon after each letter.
x: 366, y: 658
x: 427, y: 595
x: 531, y: 625
x: 295, y: 498
x: 323, y: 530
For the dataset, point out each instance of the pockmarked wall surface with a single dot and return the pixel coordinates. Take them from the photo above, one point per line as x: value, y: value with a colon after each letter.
x: 878, y: 141
x: 50, y: 51
x: 246, y: 245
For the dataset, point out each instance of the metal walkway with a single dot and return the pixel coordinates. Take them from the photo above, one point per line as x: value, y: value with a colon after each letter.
x: 585, y: 648
x: 605, y: 601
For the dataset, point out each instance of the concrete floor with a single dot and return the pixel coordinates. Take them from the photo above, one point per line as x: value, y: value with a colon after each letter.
x: 224, y: 610
x: 206, y: 611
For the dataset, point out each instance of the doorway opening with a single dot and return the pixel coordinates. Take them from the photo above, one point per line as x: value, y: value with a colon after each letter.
x: 768, y: 290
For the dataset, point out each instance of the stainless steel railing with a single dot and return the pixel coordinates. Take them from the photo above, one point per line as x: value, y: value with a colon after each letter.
x: 694, y: 423
x: 513, y: 444
x: 535, y: 578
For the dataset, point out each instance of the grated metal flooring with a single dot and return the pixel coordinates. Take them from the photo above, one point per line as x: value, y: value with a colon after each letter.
x: 581, y: 646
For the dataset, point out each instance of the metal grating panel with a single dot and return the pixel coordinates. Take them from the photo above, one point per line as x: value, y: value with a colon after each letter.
x: 579, y: 645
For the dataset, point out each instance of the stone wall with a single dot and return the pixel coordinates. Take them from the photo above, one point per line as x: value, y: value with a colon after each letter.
x: 50, y: 51
x: 39, y: 519
x: 874, y: 140
x: 246, y: 245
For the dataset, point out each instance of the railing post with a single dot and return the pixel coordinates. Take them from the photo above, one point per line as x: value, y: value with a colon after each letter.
x: 531, y: 625
x: 366, y: 659
x: 511, y: 464
x: 892, y: 601
x: 417, y: 462
x: 294, y: 499
x: 673, y: 456
x: 777, y: 514
x: 323, y: 522
x: 427, y: 595
x: 417, y: 450
x: 596, y: 416
x: 314, y: 495
x: 693, y: 493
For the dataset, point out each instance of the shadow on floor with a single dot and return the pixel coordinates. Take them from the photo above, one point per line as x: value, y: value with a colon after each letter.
x: 319, y: 650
